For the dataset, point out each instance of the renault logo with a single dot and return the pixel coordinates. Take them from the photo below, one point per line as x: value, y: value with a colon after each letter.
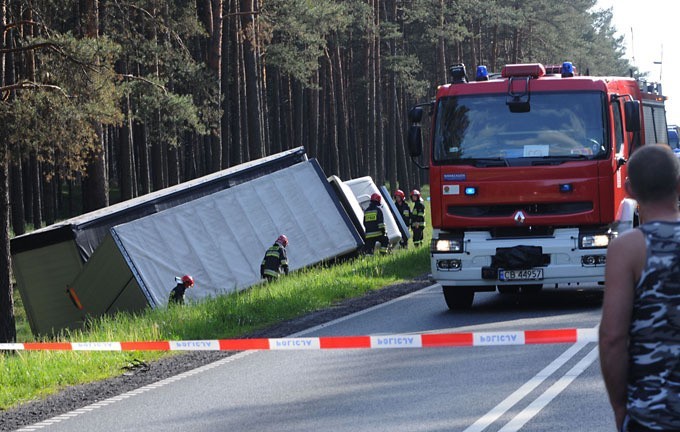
x: 519, y: 217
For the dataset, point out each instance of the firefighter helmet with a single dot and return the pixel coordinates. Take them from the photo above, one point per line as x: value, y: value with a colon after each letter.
x: 188, y: 281
x: 399, y: 193
x: 282, y: 240
x: 376, y: 197
x: 415, y: 192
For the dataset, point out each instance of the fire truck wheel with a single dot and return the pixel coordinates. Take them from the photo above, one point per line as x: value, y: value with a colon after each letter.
x: 508, y: 289
x: 458, y: 298
x: 532, y: 288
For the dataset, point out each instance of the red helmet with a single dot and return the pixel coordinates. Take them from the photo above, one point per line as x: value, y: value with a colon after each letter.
x: 399, y: 193
x: 415, y: 192
x: 282, y: 240
x: 376, y: 197
x: 187, y: 280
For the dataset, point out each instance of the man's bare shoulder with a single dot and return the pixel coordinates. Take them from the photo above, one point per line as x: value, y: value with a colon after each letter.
x: 630, y: 238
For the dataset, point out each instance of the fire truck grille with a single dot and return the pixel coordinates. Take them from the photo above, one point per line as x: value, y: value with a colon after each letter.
x: 507, y: 210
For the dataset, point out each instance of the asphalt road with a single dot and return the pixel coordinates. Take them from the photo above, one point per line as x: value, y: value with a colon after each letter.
x: 499, y: 388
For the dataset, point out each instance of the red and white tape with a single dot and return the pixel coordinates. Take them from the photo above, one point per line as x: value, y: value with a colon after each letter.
x: 429, y: 340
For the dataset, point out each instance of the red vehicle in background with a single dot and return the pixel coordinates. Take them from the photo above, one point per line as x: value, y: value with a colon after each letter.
x: 526, y: 175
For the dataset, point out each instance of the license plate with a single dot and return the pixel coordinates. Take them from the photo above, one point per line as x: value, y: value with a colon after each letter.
x: 515, y: 275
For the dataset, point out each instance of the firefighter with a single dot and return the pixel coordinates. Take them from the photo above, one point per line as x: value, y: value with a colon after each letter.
x: 405, y: 212
x: 275, y: 260
x: 374, y: 224
x: 177, y: 293
x: 417, y: 217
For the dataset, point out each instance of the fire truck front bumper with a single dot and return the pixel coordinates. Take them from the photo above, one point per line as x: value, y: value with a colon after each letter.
x: 569, y: 256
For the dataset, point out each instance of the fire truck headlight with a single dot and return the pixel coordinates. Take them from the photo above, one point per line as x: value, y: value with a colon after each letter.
x: 591, y: 241
x: 447, y: 245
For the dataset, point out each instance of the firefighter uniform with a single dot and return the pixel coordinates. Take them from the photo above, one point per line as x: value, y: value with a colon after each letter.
x: 417, y: 218
x: 177, y: 293
x: 405, y: 212
x: 374, y: 224
x: 275, y: 262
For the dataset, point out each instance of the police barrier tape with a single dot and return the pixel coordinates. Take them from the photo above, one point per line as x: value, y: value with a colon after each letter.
x: 428, y: 340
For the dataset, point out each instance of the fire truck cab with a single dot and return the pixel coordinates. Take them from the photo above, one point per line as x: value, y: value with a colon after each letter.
x: 526, y: 175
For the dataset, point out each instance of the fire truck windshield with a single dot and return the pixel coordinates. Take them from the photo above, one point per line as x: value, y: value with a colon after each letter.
x: 559, y: 127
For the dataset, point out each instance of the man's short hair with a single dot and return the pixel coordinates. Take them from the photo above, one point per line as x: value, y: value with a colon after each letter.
x: 654, y: 172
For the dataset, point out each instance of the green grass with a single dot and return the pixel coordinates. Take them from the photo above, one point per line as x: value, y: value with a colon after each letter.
x: 26, y: 375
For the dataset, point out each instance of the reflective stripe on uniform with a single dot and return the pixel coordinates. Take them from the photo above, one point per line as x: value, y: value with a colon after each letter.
x: 270, y: 272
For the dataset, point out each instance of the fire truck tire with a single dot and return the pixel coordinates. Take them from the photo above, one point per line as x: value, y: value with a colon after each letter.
x: 508, y: 289
x: 532, y: 288
x: 458, y: 298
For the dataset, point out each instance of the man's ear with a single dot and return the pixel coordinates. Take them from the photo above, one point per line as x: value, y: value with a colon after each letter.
x: 629, y: 189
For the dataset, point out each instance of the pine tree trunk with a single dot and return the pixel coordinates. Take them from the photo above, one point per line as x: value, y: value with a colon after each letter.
x: 8, y: 331
x: 49, y: 197
x: 17, y: 199
x: 441, y: 47
x: 391, y: 93
x: 332, y: 116
x: 403, y: 161
x: 251, y: 77
x: 312, y: 136
x: 36, y: 203
x: 210, y: 12
x: 380, y: 126
x: 298, y: 113
x: 277, y: 129
x: 7, y: 321
x: 342, y: 120
x: 125, y: 155
x: 369, y: 75
x: 142, y: 147
x: 96, y: 190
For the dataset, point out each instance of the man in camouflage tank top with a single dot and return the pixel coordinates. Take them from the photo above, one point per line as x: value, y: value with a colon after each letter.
x: 639, y: 336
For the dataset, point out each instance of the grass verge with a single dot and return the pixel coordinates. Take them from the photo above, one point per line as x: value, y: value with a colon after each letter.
x: 26, y: 375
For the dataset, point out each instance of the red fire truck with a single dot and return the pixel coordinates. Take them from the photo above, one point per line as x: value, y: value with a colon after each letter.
x: 526, y: 175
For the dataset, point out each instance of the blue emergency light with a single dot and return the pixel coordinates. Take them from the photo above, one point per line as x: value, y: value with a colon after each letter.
x: 566, y: 188
x: 470, y: 191
x: 567, y: 69
x: 482, y: 74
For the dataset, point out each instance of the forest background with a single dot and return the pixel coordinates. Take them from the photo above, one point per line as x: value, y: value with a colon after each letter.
x: 105, y: 100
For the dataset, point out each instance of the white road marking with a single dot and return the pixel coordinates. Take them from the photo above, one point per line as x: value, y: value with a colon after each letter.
x: 537, y: 405
x: 490, y: 417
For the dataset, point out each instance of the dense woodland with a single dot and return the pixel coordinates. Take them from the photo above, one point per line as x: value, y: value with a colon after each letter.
x: 105, y: 100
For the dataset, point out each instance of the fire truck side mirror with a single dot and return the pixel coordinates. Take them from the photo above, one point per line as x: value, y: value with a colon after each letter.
x: 632, y: 112
x: 415, y: 136
x: 415, y: 114
x: 415, y: 140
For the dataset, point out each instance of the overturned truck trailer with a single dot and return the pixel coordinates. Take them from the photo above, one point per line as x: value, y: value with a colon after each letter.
x: 219, y: 239
x: 47, y: 262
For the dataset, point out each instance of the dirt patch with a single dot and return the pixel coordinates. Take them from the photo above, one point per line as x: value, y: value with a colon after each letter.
x: 140, y: 374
